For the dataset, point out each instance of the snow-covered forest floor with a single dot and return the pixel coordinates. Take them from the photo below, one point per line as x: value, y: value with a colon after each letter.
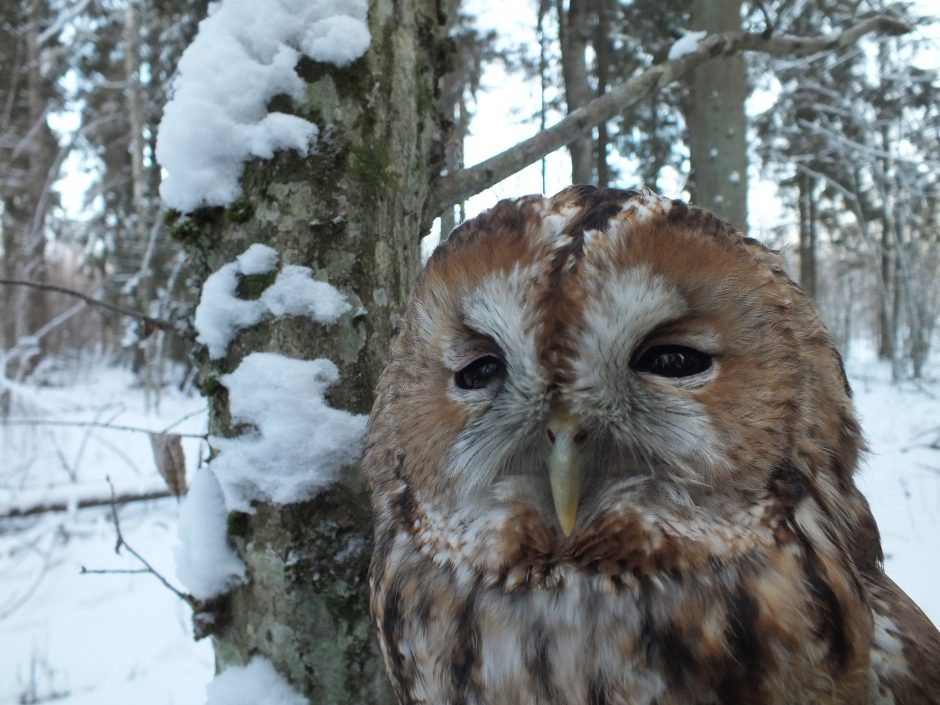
x: 124, y: 638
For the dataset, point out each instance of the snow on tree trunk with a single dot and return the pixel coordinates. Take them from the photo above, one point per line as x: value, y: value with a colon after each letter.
x: 352, y: 211
x: 715, y: 120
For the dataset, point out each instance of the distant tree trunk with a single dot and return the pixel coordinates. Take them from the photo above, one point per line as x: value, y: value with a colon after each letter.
x: 354, y: 211
x: 28, y: 156
x: 885, y: 318
x: 543, y: 9
x: 807, y: 235
x: 575, y: 31
x: 715, y: 120
x: 603, y: 50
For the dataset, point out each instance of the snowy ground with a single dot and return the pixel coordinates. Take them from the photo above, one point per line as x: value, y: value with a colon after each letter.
x: 117, y: 639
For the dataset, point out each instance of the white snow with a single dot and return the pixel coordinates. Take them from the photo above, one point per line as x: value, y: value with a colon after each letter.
x: 244, y: 54
x: 257, y: 259
x: 686, y: 45
x: 221, y: 313
x: 258, y: 683
x: 298, y: 443
x: 296, y: 293
x: 205, y: 563
x: 94, y: 639
x: 340, y: 39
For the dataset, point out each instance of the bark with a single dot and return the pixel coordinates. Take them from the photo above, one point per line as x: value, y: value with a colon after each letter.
x: 354, y: 211
x: 575, y: 31
x: 715, y: 120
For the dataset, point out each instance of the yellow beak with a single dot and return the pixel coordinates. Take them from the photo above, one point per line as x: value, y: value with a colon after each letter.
x: 565, y: 470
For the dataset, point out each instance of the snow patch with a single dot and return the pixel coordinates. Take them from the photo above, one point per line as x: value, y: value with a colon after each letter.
x: 339, y: 40
x: 205, y: 563
x: 221, y: 313
x: 686, y: 45
x: 296, y: 293
x: 298, y: 443
x: 245, y: 54
x: 257, y: 259
x: 258, y: 683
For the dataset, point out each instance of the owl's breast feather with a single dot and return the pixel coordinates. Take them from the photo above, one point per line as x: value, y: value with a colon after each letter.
x: 637, y: 610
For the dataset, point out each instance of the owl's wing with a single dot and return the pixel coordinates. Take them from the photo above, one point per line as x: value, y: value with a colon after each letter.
x: 905, y: 657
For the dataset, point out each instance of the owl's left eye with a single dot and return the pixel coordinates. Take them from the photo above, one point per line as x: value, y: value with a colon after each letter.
x: 672, y: 361
x: 480, y: 373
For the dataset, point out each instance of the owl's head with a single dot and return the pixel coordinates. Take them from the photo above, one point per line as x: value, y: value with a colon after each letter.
x: 564, y: 356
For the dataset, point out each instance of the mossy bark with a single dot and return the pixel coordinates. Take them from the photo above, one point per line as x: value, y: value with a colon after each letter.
x: 354, y: 211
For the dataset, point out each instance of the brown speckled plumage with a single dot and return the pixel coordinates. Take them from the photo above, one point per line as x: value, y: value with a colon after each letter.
x: 721, y: 552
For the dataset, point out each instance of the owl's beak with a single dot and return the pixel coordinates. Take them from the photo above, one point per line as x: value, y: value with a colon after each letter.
x: 565, y: 469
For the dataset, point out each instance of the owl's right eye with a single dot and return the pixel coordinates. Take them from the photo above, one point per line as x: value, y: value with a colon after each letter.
x: 672, y: 361
x: 480, y: 373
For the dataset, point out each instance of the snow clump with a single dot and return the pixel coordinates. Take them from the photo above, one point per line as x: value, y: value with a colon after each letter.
x: 205, y: 563
x: 258, y: 683
x: 298, y: 443
x: 686, y: 45
x: 221, y: 313
x: 244, y: 54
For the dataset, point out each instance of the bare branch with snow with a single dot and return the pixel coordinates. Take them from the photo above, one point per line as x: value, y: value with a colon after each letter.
x: 459, y: 186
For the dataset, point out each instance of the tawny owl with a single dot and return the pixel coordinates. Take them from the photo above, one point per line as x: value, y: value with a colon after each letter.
x: 612, y: 459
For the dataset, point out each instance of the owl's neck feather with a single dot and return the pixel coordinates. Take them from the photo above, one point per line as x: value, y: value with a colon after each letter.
x: 515, y: 544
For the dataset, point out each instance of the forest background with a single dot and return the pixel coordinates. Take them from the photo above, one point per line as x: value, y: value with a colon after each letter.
x: 826, y: 150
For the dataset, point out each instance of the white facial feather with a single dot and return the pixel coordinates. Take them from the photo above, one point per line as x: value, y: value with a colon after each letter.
x: 653, y: 417
x: 499, y: 309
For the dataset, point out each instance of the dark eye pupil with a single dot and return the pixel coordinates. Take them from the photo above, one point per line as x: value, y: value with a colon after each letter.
x: 672, y: 361
x: 479, y: 373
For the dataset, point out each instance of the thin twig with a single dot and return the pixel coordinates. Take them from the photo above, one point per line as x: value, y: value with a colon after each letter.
x: 94, y: 424
x: 768, y: 21
x: 120, y: 542
x: 150, y: 323
x: 180, y: 420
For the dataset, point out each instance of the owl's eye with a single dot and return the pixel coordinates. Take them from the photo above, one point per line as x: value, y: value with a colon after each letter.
x: 672, y: 361
x: 480, y: 373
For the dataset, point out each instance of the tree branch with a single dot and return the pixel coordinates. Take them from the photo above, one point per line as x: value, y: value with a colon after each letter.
x: 150, y: 324
x: 94, y: 424
x: 49, y: 507
x: 459, y: 186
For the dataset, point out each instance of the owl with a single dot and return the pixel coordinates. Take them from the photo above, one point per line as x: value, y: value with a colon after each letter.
x: 612, y: 461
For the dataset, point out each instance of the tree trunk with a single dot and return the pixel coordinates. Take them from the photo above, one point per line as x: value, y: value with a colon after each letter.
x: 574, y: 30
x: 715, y: 120
x: 807, y: 236
x: 354, y: 211
x: 604, y: 50
x: 28, y: 156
